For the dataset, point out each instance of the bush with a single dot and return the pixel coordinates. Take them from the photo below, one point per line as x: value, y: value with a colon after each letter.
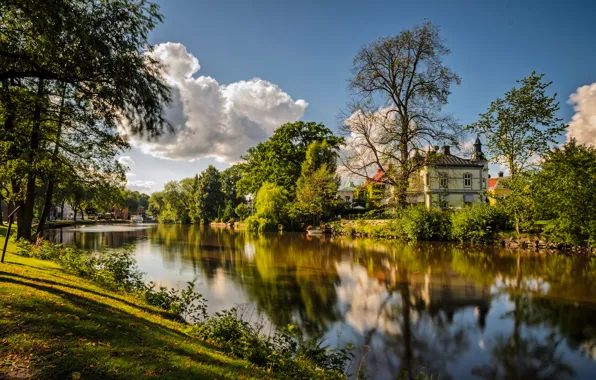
x: 478, y: 223
x: 259, y: 224
x: 419, y: 223
x: 286, y: 350
x: 187, y: 304
x: 231, y: 220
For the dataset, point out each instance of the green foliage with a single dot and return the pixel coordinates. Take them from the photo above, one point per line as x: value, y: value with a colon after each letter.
x: 419, y: 223
x: 478, y: 223
x: 187, y: 304
x: 285, y: 351
x: 242, y: 211
x: 565, y: 195
x: 209, y: 194
x: 271, y: 203
x: 316, y: 189
x: 260, y: 224
x: 522, y: 125
x: 278, y: 160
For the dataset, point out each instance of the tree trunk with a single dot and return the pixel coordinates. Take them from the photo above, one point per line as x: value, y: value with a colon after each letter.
x: 74, y: 208
x: 82, y: 213
x: 1, y: 216
x: 27, y: 206
x: 62, y: 210
x: 50, y: 189
x: 46, y: 209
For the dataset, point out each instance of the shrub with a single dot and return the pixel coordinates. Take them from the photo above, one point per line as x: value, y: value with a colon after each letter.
x: 286, y: 350
x: 419, y: 223
x: 231, y: 220
x: 259, y: 224
x: 188, y: 305
x: 478, y: 223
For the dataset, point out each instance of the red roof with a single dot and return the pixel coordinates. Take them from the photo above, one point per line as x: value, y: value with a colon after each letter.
x: 492, y: 182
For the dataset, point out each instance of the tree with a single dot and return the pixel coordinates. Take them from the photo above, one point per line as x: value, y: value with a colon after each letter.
x: 565, y: 196
x: 242, y: 211
x: 209, y: 194
x: 278, y: 160
x: 521, y: 126
x: 316, y: 190
x: 271, y: 202
x: 61, y: 101
x: 400, y: 85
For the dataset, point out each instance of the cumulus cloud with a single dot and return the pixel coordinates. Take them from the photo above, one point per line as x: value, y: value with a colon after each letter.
x: 215, y: 120
x: 140, y: 186
x: 583, y: 123
x: 126, y: 161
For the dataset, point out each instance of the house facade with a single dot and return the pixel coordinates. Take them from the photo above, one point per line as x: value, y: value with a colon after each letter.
x: 497, y: 189
x: 446, y: 181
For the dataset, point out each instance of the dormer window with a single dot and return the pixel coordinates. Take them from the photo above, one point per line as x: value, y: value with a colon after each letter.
x: 467, y: 180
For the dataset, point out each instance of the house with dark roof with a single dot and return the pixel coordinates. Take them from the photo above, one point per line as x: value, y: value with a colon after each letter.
x: 446, y: 180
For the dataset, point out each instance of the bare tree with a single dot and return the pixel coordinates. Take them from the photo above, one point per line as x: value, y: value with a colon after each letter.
x: 399, y: 85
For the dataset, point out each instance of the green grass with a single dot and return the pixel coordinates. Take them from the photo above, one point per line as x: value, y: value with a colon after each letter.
x: 54, y: 325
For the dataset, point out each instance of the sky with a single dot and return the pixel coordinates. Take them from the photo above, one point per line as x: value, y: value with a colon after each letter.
x: 239, y: 69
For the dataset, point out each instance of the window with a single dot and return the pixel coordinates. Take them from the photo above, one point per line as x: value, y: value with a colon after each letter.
x: 443, y: 181
x: 467, y: 180
x: 483, y: 183
x: 427, y: 179
x: 348, y: 199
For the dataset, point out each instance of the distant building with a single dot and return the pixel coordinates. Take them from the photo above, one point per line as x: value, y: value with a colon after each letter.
x: 446, y: 181
x: 346, y: 194
x: 497, y: 189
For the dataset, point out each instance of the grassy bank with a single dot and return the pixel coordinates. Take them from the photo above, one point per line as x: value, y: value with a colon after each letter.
x: 54, y: 325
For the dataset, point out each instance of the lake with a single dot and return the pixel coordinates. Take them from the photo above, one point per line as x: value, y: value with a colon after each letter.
x: 449, y: 310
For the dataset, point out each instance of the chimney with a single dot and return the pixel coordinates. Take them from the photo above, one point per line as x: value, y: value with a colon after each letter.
x: 500, y: 174
x: 489, y: 176
x: 446, y: 150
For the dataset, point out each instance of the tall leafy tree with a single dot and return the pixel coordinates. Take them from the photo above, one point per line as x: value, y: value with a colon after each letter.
x: 316, y: 189
x: 61, y: 101
x: 210, y: 195
x: 522, y: 125
x: 279, y: 159
x: 564, y: 194
x: 400, y: 85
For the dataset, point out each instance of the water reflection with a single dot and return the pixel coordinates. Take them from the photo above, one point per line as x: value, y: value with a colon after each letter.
x: 462, y: 312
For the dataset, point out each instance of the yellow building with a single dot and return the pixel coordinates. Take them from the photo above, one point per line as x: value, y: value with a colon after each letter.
x: 497, y: 189
x: 447, y: 181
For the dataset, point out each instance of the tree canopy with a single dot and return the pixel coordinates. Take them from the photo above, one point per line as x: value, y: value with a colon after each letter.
x: 279, y: 159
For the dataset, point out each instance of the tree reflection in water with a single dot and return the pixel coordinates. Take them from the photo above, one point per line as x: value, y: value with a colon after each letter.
x: 445, y: 309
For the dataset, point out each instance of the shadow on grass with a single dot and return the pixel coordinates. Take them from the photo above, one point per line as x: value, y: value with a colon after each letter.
x: 69, y: 333
x: 162, y: 314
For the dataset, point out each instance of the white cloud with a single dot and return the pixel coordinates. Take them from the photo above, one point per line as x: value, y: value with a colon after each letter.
x: 214, y: 120
x: 141, y: 186
x: 583, y: 123
x: 126, y: 161
x: 129, y: 174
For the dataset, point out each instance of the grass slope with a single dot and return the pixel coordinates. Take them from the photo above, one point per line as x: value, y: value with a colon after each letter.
x: 54, y: 325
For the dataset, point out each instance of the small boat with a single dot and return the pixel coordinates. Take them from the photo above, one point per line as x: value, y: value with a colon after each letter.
x: 136, y: 219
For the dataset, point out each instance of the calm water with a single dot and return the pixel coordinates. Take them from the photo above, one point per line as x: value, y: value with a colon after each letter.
x: 456, y: 311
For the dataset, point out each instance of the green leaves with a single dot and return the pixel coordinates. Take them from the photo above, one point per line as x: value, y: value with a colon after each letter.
x: 279, y: 159
x: 522, y: 125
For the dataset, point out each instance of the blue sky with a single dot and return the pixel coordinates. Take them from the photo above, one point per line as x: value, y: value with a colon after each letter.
x: 306, y: 49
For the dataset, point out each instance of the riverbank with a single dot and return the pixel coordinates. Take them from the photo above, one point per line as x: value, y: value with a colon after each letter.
x: 54, y: 325
x: 70, y: 223
x: 385, y: 229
